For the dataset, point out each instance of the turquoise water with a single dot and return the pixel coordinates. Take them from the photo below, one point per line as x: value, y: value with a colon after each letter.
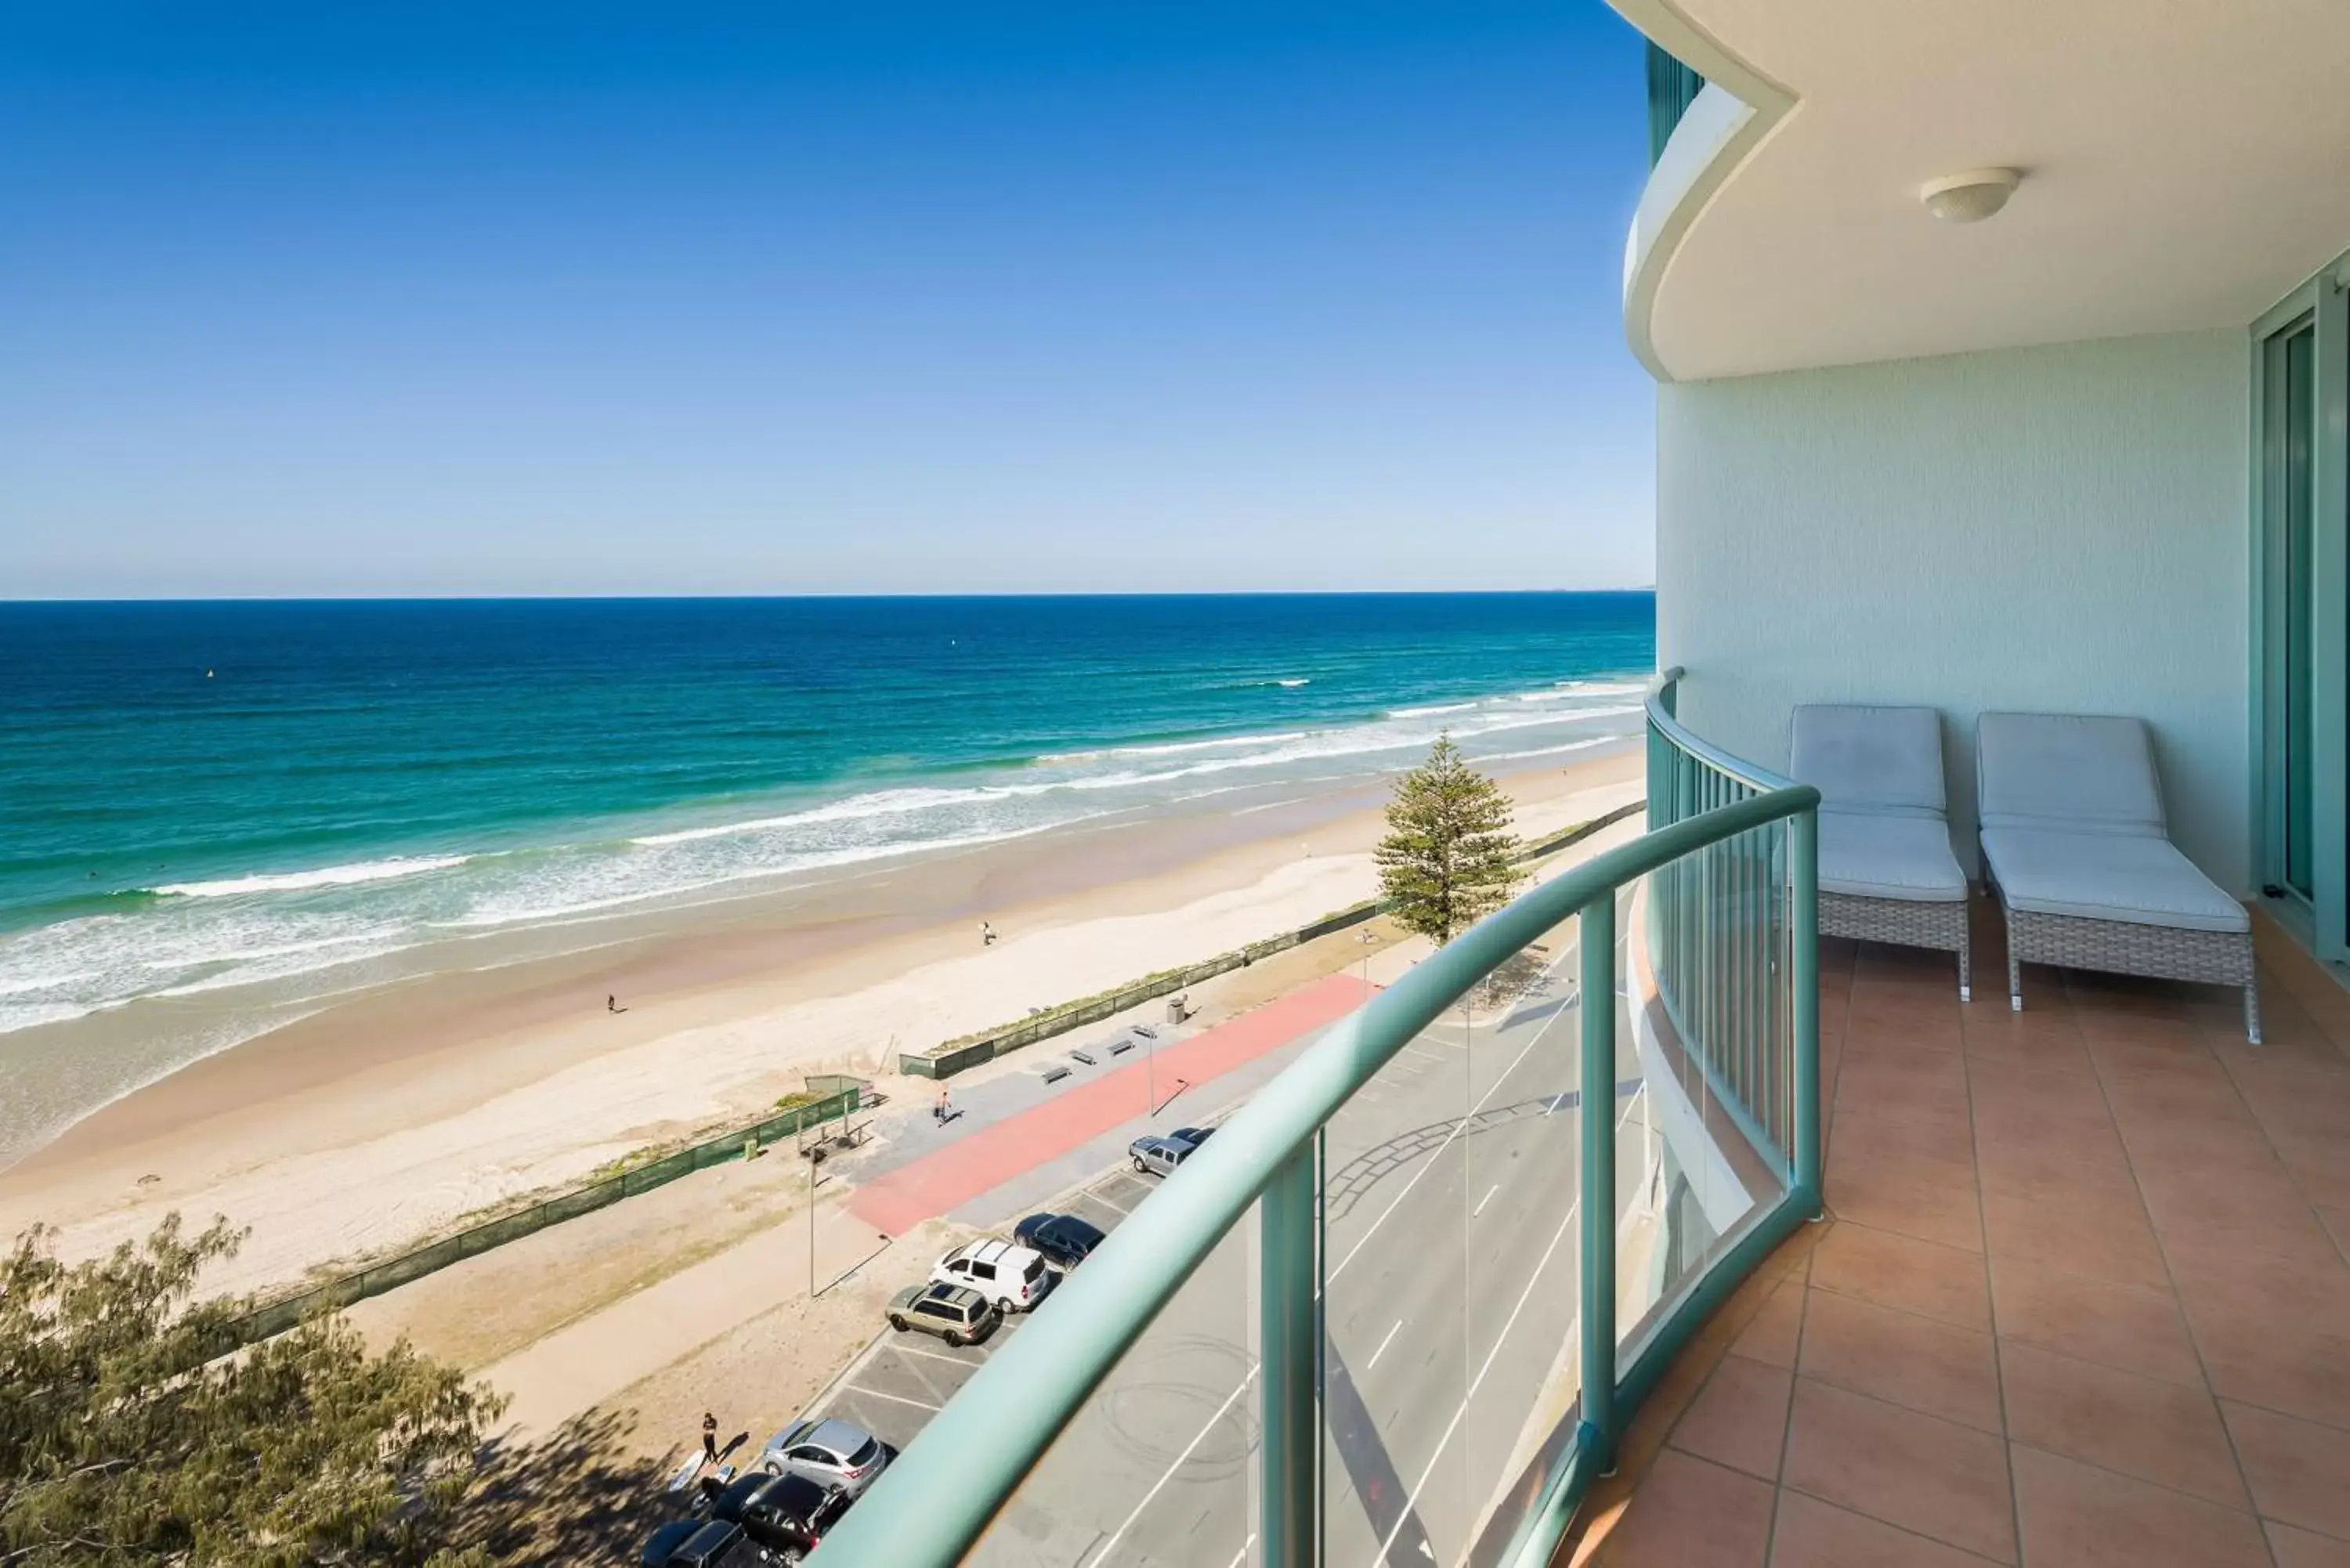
x: 199, y: 797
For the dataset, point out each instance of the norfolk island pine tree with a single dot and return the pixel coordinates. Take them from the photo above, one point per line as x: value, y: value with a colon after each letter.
x: 1448, y: 858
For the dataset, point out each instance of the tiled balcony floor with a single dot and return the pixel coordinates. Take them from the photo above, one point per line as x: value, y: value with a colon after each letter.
x: 2083, y: 1297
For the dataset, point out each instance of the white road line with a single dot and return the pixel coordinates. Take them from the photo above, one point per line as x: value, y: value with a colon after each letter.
x: 1477, y: 1382
x: 1115, y: 1535
x: 934, y: 1355
x: 1416, y: 1051
x: 893, y: 1398
x: 1429, y: 1163
x: 1412, y: 1502
x: 1382, y: 1350
x: 1107, y: 1204
x: 1242, y: 1555
x: 1472, y: 1213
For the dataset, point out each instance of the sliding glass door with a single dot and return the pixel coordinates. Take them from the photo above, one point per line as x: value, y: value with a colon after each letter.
x: 2304, y: 619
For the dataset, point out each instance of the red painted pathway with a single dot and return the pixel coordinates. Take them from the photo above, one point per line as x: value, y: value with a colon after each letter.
x: 989, y: 1157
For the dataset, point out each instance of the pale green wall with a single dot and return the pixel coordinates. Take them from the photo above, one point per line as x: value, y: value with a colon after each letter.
x: 2057, y: 529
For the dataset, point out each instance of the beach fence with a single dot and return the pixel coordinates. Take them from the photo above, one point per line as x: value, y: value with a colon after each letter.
x: 961, y: 1054
x: 837, y: 1096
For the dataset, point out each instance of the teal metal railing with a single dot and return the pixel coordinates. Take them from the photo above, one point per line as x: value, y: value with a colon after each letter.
x: 1672, y: 87
x: 1425, y: 1165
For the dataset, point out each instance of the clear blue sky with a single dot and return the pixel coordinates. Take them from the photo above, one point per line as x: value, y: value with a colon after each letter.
x: 388, y: 298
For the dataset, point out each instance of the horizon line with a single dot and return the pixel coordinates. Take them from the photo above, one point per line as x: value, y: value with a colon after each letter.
x: 818, y: 594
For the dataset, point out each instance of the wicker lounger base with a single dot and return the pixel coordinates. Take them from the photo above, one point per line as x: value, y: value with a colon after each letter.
x: 1902, y: 923
x: 2124, y: 947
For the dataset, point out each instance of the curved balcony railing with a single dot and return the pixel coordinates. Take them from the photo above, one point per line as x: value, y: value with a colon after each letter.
x: 1400, y: 1308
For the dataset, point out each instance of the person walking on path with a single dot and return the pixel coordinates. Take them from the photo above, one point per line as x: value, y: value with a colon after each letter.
x: 986, y: 935
x: 939, y: 1113
x: 710, y: 1436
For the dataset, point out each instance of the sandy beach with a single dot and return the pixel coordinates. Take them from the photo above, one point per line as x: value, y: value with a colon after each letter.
x: 392, y: 1116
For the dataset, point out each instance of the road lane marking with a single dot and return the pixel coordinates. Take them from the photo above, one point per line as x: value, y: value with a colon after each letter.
x: 934, y: 1355
x: 1382, y: 1350
x: 1429, y: 1163
x: 1416, y: 1051
x: 893, y: 1398
x: 1482, y: 1201
x: 1107, y: 1204
x: 1242, y: 1555
x: 1115, y: 1535
x: 1411, y: 1503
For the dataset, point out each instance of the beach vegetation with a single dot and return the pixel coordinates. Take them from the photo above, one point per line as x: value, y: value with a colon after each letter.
x: 128, y: 1434
x: 1449, y: 857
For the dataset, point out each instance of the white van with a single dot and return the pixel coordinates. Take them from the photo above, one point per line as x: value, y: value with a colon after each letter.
x: 1012, y: 1277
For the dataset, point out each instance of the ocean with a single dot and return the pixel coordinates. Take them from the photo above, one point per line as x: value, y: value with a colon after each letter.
x: 279, y: 799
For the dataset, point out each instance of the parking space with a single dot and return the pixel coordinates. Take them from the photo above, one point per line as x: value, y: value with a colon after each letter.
x: 900, y: 1380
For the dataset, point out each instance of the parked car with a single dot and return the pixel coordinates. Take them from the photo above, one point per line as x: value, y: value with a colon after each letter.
x: 956, y: 1313
x: 699, y: 1543
x: 1014, y: 1277
x: 1158, y: 1156
x: 1064, y: 1239
x: 786, y: 1514
x: 1195, y: 1137
x: 829, y: 1452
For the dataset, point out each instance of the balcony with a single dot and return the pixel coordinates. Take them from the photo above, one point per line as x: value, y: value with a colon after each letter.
x: 2079, y: 1295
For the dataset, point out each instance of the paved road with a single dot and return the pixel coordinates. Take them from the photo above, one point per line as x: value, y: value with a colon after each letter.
x: 1450, y: 1259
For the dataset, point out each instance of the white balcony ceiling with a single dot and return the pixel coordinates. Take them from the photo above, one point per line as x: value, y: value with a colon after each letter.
x: 2186, y: 163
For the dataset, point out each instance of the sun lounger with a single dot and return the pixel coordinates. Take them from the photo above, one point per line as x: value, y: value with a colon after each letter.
x: 2073, y: 837
x: 1887, y: 873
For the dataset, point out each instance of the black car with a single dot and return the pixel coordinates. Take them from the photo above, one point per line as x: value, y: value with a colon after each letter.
x: 786, y: 1514
x: 1064, y: 1239
x: 699, y: 1543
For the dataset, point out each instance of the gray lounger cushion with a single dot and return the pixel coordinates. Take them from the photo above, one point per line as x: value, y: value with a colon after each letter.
x: 1879, y: 775
x: 2072, y: 824
x: 1881, y: 760
x: 2103, y: 876
x: 1869, y: 857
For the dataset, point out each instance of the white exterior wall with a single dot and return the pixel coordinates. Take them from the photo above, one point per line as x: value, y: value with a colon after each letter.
x: 2053, y: 529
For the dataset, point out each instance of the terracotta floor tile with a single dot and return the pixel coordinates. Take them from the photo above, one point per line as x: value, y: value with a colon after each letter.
x: 2160, y: 1432
x: 1740, y: 1418
x: 2173, y: 1097
x: 1920, y: 1036
x: 2306, y: 1050
x: 1944, y: 1136
x: 1901, y: 1357
x: 2300, y: 1472
x: 2126, y: 1059
x: 1942, y: 1210
x: 1814, y: 1534
x: 1773, y: 1337
x: 1687, y: 1513
x: 2032, y: 1081
x: 2084, y: 1133
x: 2201, y: 1143
x: 2253, y: 1207
x: 2262, y: 1358
x: 2075, y: 1516
x: 2175, y: 1032
x: 2038, y: 1170
x: 2217, y: 1276
x: 1867, y: 1081
x: 1896, y: 1270
x: 2122, y: 1327
x: 1933, y: 1477
x: 2088, y: 1233
x: 2294, y: 1548
x: 2296, y: 1103
x: 2320, y: 1168
x: 2337, y: 1225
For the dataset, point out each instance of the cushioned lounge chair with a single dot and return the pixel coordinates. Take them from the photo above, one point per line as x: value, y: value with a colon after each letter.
x: 2073, y: 838
x: 1887, y: 873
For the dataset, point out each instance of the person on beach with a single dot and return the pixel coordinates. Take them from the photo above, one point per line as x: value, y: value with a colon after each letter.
x: 710, y: 1436
x: 986, y: 935
x: 938, y: 1111
x: 611, y: 1003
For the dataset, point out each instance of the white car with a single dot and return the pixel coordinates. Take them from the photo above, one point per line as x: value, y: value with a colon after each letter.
x: 1014, y: 1277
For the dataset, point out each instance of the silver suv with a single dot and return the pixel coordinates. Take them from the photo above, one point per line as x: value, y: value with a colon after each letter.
x: 1159, y: 1156
x: 954, y: 1313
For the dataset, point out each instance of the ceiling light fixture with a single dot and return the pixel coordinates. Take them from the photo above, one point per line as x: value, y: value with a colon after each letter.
x: 1970, y: 197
